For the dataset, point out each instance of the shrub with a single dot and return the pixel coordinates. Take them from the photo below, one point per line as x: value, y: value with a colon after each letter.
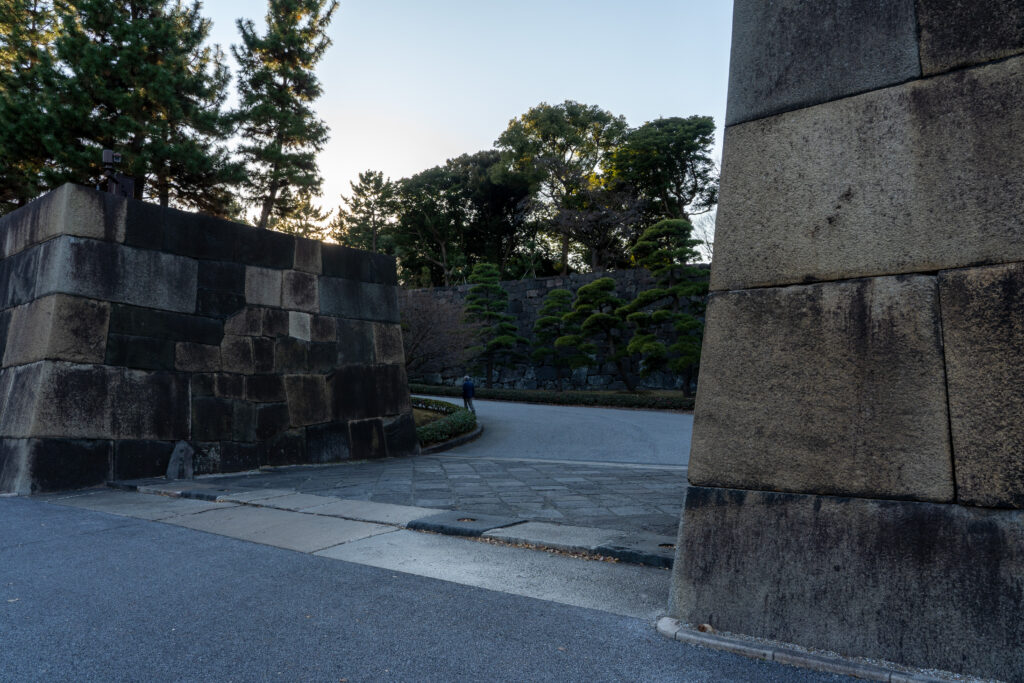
x: 571, y: 398
x: 457, y: 421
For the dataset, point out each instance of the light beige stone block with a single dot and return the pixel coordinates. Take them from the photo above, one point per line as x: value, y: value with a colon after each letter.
x: 835, y: 388
x: 59, y: 327
x: 983, y: 329
x: 913, y: 178
x: 299, y: 325
x: 262, y: 286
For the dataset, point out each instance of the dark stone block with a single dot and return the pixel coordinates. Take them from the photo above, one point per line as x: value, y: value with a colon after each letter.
x: 781, y: 49
x: 456, y: 523
x: 358, y: 300
x: 287, y: 448
x: 400, y: 436
x: 327, y: 443
x: 238, y: 457
x: 218, y: 304
x: 62, y: 464
x: 262, y: 354
x: 299, y: 291
x: 243, y: 421
x: 143, y: 353
x: 355, y: 342
x: 202, y: 384
x: 212, y: 419
x: 366, y: 439
x: 18, y: 273
x: 5, y: 323
x: 149, y: 405
x: 265, y: 248
x: 271, y: 419
x: 353, y: 264
x: 955, y: 33
x: 149, y: 322
x: 307, y: 399
x: 222, y: 276
x: 275, y: 322
x: 324, y: 328
x: 359, y: 391
x: 229, y: 385
x: 323, y: 356
x: 290, y: 355
x: 236, y: 354
x: 265, y: 388
x: 141, y: 459
x: 144, y: 225
x: 179, y: 232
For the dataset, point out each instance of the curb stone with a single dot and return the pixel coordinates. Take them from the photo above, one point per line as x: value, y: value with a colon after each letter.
x: 671, y: 628
x: 452, y: 443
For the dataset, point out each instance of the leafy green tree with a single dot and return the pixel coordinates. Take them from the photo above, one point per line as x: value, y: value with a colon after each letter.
x: 429, y: 231
x: 137, y: 77
x: 550, y: 325
x: 559, y: 147
x: 487, y: 307
x: 307, y: 220
x: 370, y: 211
x: 28, y: 29
x: 277, y: 87
x: 603, y: 334
x: 603, y: 223
x: 668, y: 331
x: 668, y: 162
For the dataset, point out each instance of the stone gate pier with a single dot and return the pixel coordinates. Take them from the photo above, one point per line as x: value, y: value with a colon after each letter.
x: 857, y: 468
x: 125, y: 327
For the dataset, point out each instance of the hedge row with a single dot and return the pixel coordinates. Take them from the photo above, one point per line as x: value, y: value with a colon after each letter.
x: 457, y: 421
x: 649, y: 401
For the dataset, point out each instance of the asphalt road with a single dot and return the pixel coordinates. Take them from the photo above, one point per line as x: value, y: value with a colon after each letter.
x: 524, y: 430
x: 91, y: 596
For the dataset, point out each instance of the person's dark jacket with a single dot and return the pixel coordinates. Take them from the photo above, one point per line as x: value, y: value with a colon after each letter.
x: 467, y: 389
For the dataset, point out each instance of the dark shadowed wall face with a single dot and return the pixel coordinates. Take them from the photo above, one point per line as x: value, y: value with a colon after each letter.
x: 125, y: 327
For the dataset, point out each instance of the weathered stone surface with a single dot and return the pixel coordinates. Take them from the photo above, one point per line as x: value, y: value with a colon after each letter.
x: 323, y: 328
x: 914, y: 178
x: 262, y: 286
x: 387, y: 342
x: 299, y: 325
x: 400, y: 436
x: 359, y: 391
x: 781, y: 49
x: 266, y: 248
x: 53, y: 464
x: 307, y: 399
x: 142, y: 353
x: 956, y: 33
x: 191, y: 357
x: 353, y: 264
x: 247, y: 322
x: 327, y: 442
x: 262, y: 354
x: 366, y: 440
x: 299, y: 291
x: 287, y: 448
x: 139, y: 321
x: 265, y: 388
x: 139, y: 459
x: 983, y: 329
x: 275, y: 322
x: 227, y: 385
x: 358, y: 300
x: 113, y: 272
x: 355, y: 342
x: 18, y: 273
x: 307, y: 255
x: 290, y: 355
x: 68, y: 210
x: 5, y: 323
x: 150, y: 226
x: 271, y: 419
x: 832, y: 388
x: 937, y: 586
x: 59, y: 327
x: 236, y: 354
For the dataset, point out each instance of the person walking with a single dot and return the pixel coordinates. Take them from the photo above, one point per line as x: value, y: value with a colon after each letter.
x: 467, y: 393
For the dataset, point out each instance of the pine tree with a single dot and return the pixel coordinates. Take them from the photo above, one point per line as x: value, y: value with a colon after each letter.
x: 137, y: 77
x: 487, y: 307
x: 307, y: 220
x: 277, y: 86
x: 28, y: 29
x: 550, y: 325
x: 668, y: 332
x: 371, y: 209
x: 602, y: 335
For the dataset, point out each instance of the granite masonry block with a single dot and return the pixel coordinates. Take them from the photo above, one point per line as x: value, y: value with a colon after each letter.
x: 18, y: 273
x: 275, y: 322
x: 323, y: 357
x: 327, y: 442
x: 201, y: 384
x: 236, y: 354
x: 143, y: 353
x: 262, y: 286
x: 262, y: 354
x: 307, y: 399
x: 148, y: 322
x: 198, y: 236
x: 212, y: 419
x: 387, y: 342
x: 227, y: 385
x: 58, y: 327
x: 218, y: 304
x: 113, y: 272
x: 247, y: 322
x: 323, y: 328
x: 287, y: 448
x: 238, y: 457
x: 141, y: 459
x: 983, y: 329
x: 68, y: 210
x: 781, y: 49
x: 916, y: 178
x: 400, y: 435
x: 299, y: 291
x: 265, y: 388
x: 355, y: 342
x: 5, y: 324
x: 358, y: 300
x: 360, y: 391
x: 935, y: 586
x: 266, y: 248
x: 956, y: 33
x: 243, y: 421
x: 290, y: 355
x: 307, y: 256
x: 353, y: 264
x: 366, y: 439
x: 190, y: 357
x: 299, y: 325
x: 222, y: 276
x: 57, y: 464
x: 830, y: 356
x: 271, y: 419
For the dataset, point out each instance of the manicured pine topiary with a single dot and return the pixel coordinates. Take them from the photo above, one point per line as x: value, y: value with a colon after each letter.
x: 667, y: 332
x: 551, y: 324
x: 487, y: 307
x: 603, y: 335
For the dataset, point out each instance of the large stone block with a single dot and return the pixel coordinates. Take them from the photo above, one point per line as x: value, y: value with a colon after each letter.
x: 937, y: 586
x: 113, y: 272
x: 353, y: 264
x: 327, y: 442
x: 366, y: 440
x: 299, y: 291
x: 58, y: 327
x: 832, y: 388
x: 358, y: 300
x: 307, y: 399
x: 139, y: 459
x: 400, y: 436
x: 360, y: 391
x: 18, y: 273
x: 262, y: 287
x: 195, y: 235
x: 138, y: 321
x: 356, y: 343
x: 143, y: 353
x: 68, y: 210
x: 955, y: 33
x: 781, y: 49
x: 914, y: 178
x: 307, y: 255
x: 387, y: 342
x: 40, y: 465
x: 983, y: 329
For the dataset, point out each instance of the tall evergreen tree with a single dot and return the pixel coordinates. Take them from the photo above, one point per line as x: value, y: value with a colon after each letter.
x: 550, y: 325
x: 277, y: 87
x: 307, y: 220
x: 603, y: 335
x: 137, y: 77
x: 370, y: 210
x: 487, y: 307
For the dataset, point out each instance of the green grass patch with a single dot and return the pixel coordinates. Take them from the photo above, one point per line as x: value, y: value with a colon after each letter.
x: 452, y: 420
x: 648, y: 400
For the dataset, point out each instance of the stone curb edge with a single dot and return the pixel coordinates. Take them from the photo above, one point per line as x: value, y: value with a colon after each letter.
x: 452, y: 443
x: 671, y: 628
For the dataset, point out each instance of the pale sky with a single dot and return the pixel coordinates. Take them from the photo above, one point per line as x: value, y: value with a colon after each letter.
x: 411, y: 83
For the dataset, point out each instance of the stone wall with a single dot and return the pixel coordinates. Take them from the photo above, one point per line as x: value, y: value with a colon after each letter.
x: 125, y: 327
x: 525, y: 300
x: 857, y: 467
